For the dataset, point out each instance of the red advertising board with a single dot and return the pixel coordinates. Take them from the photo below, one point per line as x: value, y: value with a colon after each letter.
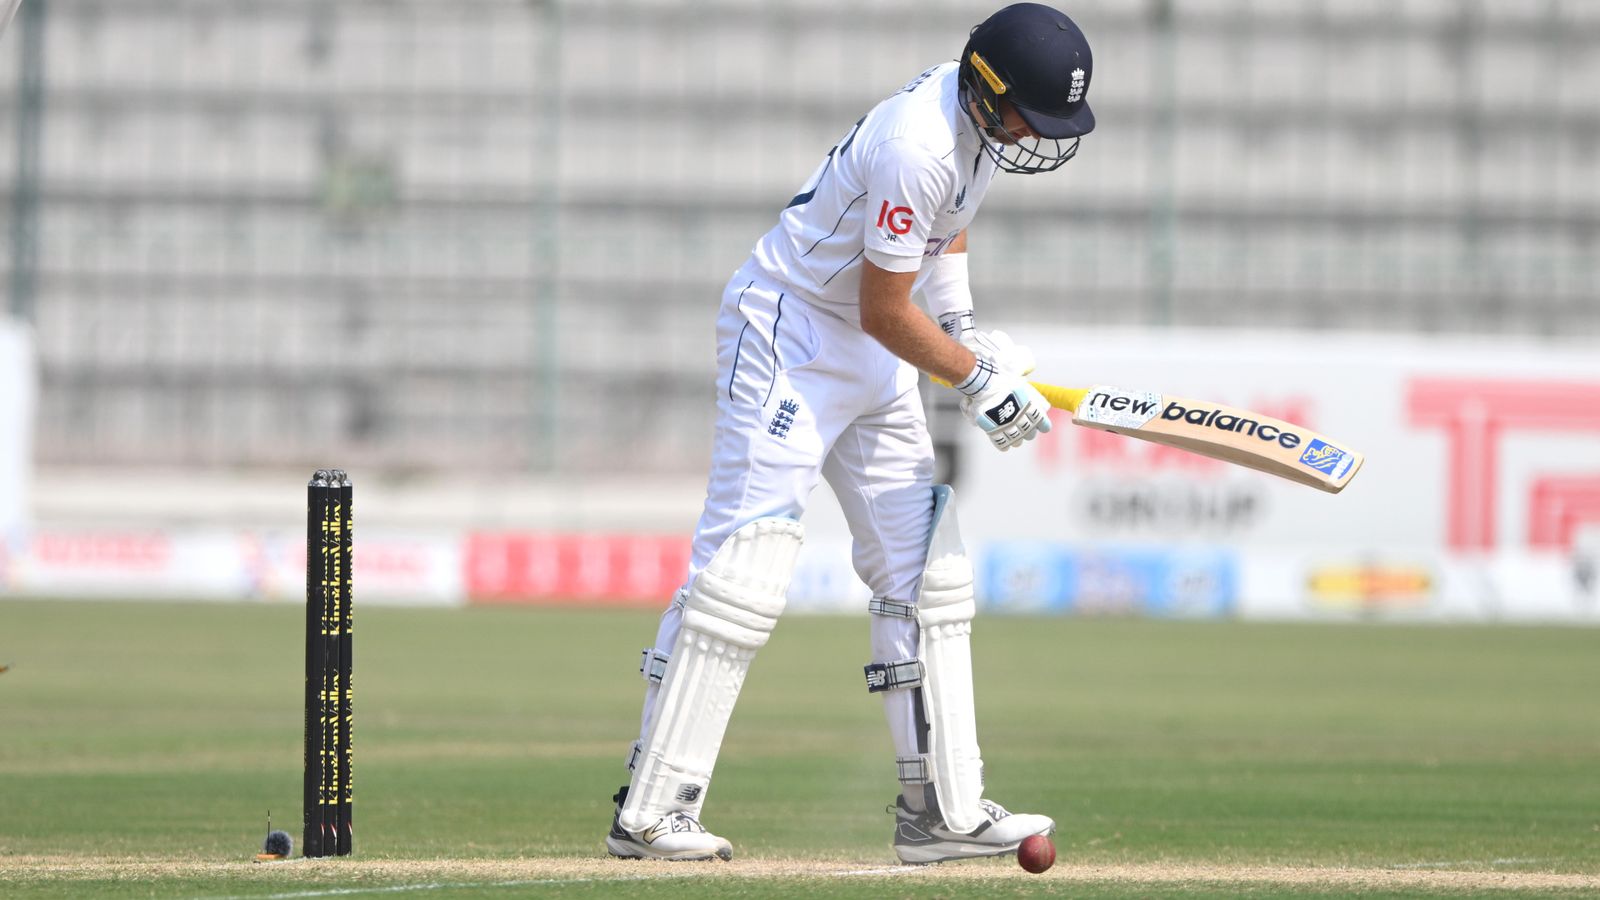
x: 541, y: 568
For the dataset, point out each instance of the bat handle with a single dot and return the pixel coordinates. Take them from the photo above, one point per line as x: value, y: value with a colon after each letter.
x: 1059, y: 397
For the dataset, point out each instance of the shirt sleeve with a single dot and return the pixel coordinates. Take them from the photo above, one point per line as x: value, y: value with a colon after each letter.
x: 906, y: 186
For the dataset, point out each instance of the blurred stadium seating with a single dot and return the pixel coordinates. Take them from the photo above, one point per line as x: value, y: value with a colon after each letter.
x: 417, y: 234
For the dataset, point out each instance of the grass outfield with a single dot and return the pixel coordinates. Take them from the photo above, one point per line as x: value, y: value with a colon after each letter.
x: 145, y: 743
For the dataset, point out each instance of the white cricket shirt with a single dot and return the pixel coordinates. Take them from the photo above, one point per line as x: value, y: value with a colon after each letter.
x: 898, y: 188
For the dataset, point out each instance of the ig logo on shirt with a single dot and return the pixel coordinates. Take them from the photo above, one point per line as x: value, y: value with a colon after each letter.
x: 897, y: 220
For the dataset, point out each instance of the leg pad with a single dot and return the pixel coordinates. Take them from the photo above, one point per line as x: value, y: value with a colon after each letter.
x: 729, y: 613
x: 945, y: 607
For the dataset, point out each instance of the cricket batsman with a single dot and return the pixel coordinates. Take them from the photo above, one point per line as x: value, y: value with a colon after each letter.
x: 819, y: 349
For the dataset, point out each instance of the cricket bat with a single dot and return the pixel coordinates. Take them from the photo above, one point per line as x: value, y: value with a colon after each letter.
x: 1233, y: 435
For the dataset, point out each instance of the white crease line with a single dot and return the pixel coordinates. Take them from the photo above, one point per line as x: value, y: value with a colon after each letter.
x: 438, y: 886
x: 442, y: 886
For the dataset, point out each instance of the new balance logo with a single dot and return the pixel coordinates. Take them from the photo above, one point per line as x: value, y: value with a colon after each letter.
x: 689, y: 793
x: 1146, y: 405
x: 672, y: 823
x: 1005, y: 412
x: 995, y: 810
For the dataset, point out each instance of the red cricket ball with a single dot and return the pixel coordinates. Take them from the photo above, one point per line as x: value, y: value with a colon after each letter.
x: 1036, y: 853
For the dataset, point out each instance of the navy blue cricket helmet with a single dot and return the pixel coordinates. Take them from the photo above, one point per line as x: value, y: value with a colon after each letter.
x: 1036, y: 59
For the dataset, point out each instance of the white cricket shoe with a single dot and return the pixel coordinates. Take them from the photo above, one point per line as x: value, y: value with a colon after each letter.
x: 922, y: 837
x: 676, y: 835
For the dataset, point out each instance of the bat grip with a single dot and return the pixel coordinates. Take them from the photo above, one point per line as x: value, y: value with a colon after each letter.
x: 1059, y: 397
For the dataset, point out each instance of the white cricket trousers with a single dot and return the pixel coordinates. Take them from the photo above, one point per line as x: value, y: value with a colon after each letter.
x: 802, y: 393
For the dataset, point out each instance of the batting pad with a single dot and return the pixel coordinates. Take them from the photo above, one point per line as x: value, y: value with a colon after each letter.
x: 730, y: 612
x: 945, y: 607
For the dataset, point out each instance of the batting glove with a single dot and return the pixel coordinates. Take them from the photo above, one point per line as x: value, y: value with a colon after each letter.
x: 1007, y: 408
x: 1008, y: 355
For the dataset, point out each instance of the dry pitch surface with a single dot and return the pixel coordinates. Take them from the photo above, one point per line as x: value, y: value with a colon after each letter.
x: 307, y: 878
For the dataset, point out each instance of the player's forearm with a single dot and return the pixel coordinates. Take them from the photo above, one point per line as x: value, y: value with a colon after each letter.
x: 946, y: 292
x: 888, y: 315
x: 912, y: 336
